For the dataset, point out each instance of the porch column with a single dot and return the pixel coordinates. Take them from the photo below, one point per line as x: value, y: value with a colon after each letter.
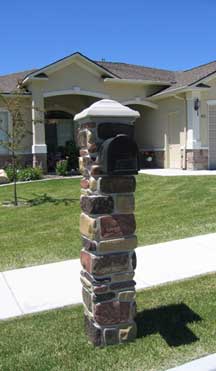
x: 193, y: 129
x: 193, y: 121
x: 39, y: 148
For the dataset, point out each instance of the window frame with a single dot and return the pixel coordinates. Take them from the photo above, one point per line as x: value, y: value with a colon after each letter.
x: 5, y: 151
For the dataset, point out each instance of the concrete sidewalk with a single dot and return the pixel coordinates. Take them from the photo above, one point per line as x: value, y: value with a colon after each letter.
x: 55, y: 285
x: 177, y: 172
x: 203, y: 364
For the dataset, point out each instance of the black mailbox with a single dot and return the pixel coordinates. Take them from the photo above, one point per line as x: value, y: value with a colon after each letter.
x: 119, y: 156
x: 111, y: 129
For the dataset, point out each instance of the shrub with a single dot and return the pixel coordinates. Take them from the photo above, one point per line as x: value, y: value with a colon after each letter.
x: 29, y: 173
x: 62, y: 167
x: 24, y: 174
x: 10, y: 172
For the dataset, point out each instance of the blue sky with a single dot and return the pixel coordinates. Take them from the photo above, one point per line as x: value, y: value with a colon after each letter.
x: 162, y: 33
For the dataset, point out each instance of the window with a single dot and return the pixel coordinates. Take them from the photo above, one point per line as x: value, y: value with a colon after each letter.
x: 4, y: 122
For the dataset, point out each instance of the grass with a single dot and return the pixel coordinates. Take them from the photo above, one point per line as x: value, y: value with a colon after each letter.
x: 176, y: 323
x: 166, y: 208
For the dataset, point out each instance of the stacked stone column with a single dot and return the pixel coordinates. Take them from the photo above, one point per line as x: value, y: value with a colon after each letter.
x: 107, y: 226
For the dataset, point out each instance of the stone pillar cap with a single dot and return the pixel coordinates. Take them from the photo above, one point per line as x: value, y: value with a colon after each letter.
x: 107, y: 108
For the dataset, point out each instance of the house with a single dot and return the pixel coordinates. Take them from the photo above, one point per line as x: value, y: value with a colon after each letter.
x: 177, y: 124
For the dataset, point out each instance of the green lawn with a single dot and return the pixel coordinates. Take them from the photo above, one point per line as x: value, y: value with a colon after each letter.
x: 176, y: 323
x: 166, y: 208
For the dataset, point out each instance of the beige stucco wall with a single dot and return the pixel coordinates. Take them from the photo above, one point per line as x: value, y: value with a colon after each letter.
x: 24, y: 104
x: 74, y: 76
x: 209, y: 94
x: 152, y: 127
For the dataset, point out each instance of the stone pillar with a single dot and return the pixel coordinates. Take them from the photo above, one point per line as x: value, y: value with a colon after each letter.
x: 107, y: 226
x: 39, y: 148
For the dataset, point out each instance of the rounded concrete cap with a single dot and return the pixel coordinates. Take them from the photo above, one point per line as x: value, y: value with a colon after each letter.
x: 107, y: 108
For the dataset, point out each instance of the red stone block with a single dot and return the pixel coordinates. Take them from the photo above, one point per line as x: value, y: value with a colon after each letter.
x: 92, y: 148
x: 97, y: 204
x: 114, y: 226
x: 83, y: 152
x: 93, y: 331
x: 110, y: 263
x: 111, y: 313
x: 86, y: 261
x: 107, y: 313
x: 125, y: 312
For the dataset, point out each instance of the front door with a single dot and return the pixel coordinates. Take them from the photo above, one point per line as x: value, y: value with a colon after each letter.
x: 212, y: 135
x: 59, y: 133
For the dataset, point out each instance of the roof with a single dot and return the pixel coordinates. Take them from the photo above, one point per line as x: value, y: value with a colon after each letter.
x: 191, y: 76
x: 132, y: 71
x: 174, y: 79
x: 8, y: 83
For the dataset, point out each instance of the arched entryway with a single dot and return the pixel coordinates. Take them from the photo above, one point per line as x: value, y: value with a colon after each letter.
x: 60, y: 138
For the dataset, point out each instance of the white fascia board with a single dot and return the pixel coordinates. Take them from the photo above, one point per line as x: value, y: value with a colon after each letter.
x: 173, y: 92
x: 115, y: 80
x: 164, y: 94
x: 53, y: 67
x: 141, y: 102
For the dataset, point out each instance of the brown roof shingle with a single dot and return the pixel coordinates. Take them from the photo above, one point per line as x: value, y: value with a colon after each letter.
x: 176, y: 79
x: 8, y: 83
x: 191, y: 76
x: 132, y: 71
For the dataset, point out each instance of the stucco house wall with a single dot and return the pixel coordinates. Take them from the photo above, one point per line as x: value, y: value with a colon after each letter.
x: 170, y: 124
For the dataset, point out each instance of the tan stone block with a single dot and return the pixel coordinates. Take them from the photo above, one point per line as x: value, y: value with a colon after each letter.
x: 125, y: 203
x: 90, y: 137
x: 126, y: 296
x: 84, y: 163
x: 87, y: 299
x: 85, y: 192
x: 82, y: 138
x: 93, y: 184
x: 88, y: 226
x: 81, y: 165
x: 86, y: 283
x: 84, y: 183
x: 119, y: 244
x: 120, y: 277
x: 128, y: 333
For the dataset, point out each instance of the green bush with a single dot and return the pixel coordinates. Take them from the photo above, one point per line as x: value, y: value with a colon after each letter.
x: 62, y: 167
x: 29, y: 173
x: 24, y: 174
x: 10, y: 173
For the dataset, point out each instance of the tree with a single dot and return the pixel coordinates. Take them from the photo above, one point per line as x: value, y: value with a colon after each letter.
x: 16, y: 105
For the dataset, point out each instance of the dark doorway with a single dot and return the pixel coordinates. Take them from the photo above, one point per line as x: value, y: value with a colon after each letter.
x: 59, y: 131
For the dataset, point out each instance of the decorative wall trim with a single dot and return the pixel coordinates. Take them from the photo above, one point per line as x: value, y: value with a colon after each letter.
x: 152, y: 149
x: 39, y: 149
x: 75, y: 91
